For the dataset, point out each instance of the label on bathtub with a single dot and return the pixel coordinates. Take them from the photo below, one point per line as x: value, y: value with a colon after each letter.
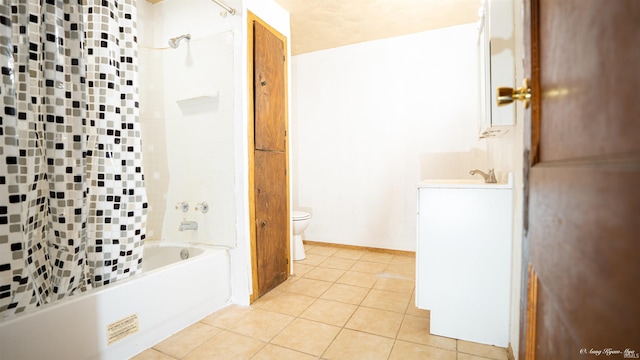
x: 122, y: 328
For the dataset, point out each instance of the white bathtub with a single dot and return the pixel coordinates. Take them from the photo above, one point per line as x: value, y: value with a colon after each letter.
x: 127, y: 317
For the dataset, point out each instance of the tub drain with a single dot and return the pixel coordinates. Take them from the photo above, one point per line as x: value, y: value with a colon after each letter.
x: 184, y: 254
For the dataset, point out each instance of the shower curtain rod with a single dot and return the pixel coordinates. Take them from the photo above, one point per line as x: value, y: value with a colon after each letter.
x: 228, y: 8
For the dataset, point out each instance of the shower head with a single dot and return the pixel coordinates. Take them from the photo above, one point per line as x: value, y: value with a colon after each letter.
x: 175, y: 42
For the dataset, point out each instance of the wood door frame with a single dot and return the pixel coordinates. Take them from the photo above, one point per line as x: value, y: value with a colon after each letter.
x: 529, y: 284
x: 251, y: 18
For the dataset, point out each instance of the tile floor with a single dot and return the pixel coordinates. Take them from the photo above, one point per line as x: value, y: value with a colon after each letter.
x: 340, y: 304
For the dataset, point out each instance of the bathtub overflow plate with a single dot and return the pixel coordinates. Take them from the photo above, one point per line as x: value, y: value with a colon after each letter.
x: 184, y: 254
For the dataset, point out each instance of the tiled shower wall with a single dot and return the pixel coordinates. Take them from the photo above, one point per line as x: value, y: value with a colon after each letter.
x: 187, y: 116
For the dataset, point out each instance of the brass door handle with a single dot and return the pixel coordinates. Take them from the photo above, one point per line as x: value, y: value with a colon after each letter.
x: 506, y: 95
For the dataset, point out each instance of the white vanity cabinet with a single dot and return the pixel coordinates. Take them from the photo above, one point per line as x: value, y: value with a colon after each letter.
x: 463, y: 258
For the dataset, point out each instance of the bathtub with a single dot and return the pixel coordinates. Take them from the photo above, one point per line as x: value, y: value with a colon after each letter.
x: 129, y: 316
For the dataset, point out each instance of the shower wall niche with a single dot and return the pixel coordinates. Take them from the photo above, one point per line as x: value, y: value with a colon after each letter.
x: 187, y: 116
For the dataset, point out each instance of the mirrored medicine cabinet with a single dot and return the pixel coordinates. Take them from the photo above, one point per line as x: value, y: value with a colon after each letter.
x: 496, y: 58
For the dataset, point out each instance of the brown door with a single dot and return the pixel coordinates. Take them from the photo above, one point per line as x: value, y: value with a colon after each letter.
x: 272, y: 226
x: 269, y: 90
x: 269, y: 147
x: 582, y: 230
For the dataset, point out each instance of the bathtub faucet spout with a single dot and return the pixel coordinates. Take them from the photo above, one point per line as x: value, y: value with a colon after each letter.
x: 188, y: 225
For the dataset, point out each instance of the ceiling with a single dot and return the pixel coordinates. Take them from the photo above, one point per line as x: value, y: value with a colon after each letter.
x: 324, y: 24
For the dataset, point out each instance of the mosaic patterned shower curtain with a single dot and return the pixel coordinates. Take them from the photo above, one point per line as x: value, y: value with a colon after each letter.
x: 72, y: 197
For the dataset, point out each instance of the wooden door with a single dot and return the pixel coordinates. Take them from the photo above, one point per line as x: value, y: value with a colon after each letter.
x: 269, y: 192
x: 272, y: 225
x: 582, y: 231
x: 269, y: 90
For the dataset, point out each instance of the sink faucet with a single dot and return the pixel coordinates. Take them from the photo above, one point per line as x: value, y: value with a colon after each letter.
x: 188, y: 225
x: 489, y: 178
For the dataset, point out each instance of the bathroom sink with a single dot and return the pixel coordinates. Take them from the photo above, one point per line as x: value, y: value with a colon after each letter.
x: 467, y: 183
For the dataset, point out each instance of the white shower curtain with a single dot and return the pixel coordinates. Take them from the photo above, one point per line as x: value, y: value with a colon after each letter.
x: 72, y: 197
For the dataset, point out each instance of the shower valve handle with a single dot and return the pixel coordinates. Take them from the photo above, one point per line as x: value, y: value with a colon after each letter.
x: 202, y: 207
x: 183, y: 206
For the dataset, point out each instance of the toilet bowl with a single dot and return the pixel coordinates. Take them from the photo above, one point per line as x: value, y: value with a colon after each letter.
x: 300, y: 220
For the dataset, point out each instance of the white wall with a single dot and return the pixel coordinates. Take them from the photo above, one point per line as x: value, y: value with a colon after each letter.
x: 371, y: 120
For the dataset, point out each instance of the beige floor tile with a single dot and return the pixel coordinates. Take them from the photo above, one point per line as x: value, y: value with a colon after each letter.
x: 369, y: 267
x: 358, y: 279
x: 386, y: 300
x: 378, y: 257
x: 275, y: 291
x: 413, y: 310
x: 416, y: 329
x: 487, y: 351
x: 404, y: 259
x: 313, y: 259
x: 329, y: 312
x: 185, y: 341
x: 291, y: 279
x: 226, y: 345
x: 324, y: 274
x: 351, y: 254
x: 152, y: 354
x: 300, y: 269
x: 261, y: 324
x: 403, y: 350
x: 375, y: 321
x: 463, y: 356
x: 282, y: 287
x: 274, y: 352
x: 227, y: 316
x: 322, y: 250
x: 271, y: 295
x: 345, y: 293
x: 309, y: 287
x: 403, y: 271
x: 307, y: 336
x: 395, y: 285
x: 338, y: 263
x: 350, y: 345
x: 382, y: 284
x: 288, y: 303
x: 284, y: 284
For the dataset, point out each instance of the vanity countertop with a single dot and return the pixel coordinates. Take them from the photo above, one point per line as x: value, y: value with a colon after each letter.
x: 466, y: 183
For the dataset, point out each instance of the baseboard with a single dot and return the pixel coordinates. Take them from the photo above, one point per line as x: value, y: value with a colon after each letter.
x: 510, y: 353
x: 355, y: 247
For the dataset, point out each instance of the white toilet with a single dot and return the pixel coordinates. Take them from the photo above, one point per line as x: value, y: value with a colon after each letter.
x: 300, y: 220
